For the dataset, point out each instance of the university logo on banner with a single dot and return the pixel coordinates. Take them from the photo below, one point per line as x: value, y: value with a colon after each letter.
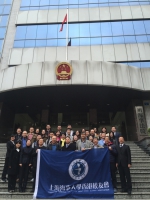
x: 76, y: 174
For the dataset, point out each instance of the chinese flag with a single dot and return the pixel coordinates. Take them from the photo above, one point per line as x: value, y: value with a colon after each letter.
x: 65, y: 20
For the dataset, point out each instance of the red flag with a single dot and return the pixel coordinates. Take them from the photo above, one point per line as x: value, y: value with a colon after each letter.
x: 65, y: 20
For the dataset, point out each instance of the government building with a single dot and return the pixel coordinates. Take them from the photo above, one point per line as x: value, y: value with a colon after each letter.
x: 93, y: 73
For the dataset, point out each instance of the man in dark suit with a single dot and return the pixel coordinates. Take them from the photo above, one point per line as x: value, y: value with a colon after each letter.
x: 48, y: 129
x: 34, y: 160
x: 68, y: 146
x: 124, y: 164
x: 116, y: 134
x: 10, y: 147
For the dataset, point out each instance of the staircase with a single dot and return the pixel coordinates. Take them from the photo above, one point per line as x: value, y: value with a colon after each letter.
x: 140, y: 173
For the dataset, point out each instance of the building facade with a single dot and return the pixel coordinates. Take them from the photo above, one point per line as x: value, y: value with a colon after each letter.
x: 109, y: 53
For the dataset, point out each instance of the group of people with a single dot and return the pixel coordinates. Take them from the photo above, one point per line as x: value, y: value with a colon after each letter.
x: 22, y: 149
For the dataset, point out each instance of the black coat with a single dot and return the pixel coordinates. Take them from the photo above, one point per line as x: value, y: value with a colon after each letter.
x: 34, y: 155
x: 18, y: 137
x: 26, y: 155
x: 71, y: 147
x: 49, y: 147
x: 124, y: 155
x: 10, y: 147
x: 112, y: 153
x: 14, y: 162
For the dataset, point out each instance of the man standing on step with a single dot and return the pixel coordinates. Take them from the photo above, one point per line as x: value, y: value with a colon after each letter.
x: 10, y: 147
x: 124, y: 164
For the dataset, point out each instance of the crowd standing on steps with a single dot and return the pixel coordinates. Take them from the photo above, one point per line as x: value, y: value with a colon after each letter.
x: 22, y: 150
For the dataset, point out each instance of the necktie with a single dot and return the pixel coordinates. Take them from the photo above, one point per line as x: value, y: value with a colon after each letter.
x: 121, y: 145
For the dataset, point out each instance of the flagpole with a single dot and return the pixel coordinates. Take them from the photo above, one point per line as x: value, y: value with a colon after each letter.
x: 67, y: 34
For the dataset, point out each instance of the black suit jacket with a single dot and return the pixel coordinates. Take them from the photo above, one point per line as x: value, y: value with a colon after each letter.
x: 26, y: 155
x: 71, y: 147
x: 10, y: 147
x: 14, y: 162
x: 124, y: 155
x: 34, y: 155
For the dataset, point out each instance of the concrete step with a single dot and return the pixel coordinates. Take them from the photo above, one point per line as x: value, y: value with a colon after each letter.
x: 134, y: 195
x: 28, y: 195
x: 134, y: 189
x: 135, y: 183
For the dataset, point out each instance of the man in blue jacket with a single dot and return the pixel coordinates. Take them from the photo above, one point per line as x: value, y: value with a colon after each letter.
x: 113, y: 157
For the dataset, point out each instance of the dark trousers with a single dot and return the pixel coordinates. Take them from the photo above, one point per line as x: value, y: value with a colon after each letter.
x: 12, y: 181
x: 23, y: 176
x: 113, y: 174
x: 5, y: 169
x: 34, y: 176
x: 125, y: 177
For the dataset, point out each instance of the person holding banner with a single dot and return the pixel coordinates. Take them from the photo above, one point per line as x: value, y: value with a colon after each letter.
x: 95, y: 143
x: 54, y: 146
x: 34, y: 159
x: 68, y: 146
x: 83, y: 143
x: 113, y: 156
x: 25, y: 163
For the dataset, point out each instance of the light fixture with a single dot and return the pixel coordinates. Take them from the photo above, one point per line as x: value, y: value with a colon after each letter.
x: 27, y: 106
x: 67, y: 105
x: 108, y: 104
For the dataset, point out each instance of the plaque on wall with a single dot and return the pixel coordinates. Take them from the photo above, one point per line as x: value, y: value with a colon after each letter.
x: 141, y: 120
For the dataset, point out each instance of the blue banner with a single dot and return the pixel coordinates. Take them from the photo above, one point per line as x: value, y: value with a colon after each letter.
x: 75, y: 174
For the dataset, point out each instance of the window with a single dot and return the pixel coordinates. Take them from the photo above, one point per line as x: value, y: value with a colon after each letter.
x: 82, y: 33
x: 5, y: 6
x: 117, y: 28
x: 3, y: 20
x: 6, y: 10
x: 41, y: 32
x: 2, y: 31
x: 84, y: 30
x: 73, y: 30
x: 128, y: 28
x: 106, y: 29
x: 118, y: 40
x: 40, y: 43
x: 61, y: 4
x: 25, y: 3
x: 84, y: 41
x: 52, y: 31
x: 21, y: 32
x: 107, y: 40
x: 147, y: 26
x: 141, y: 38
x: 31, y: 32
x: 95, y: 29
x: 139, y: 27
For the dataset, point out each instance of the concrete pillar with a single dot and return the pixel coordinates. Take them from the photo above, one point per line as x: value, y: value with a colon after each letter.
x: 146, y: 105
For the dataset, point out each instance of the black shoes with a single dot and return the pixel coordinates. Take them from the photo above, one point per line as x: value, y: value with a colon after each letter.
x: 125, y: 190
